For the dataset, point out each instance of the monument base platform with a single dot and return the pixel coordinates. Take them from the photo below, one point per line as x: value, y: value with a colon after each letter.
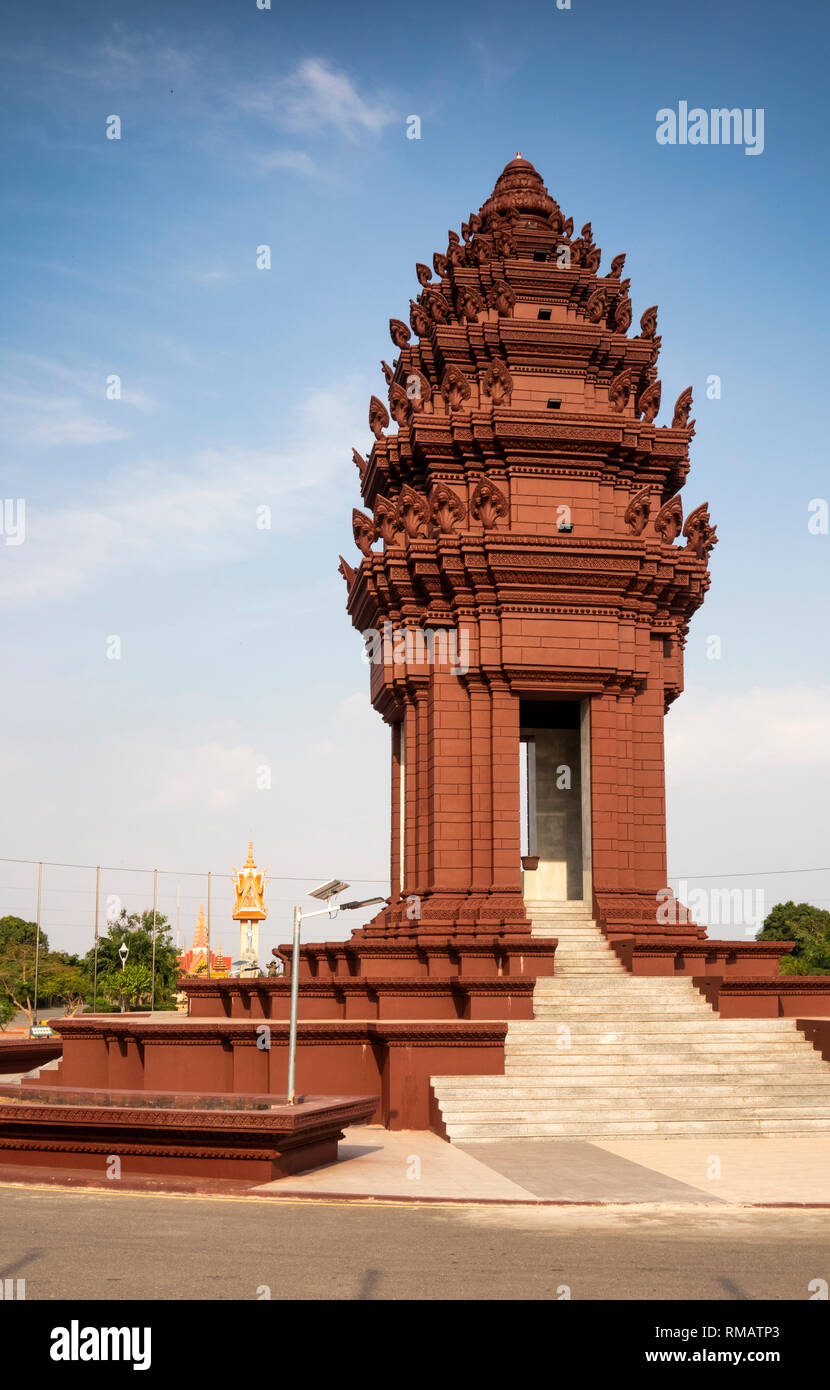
x: 133, y: 1135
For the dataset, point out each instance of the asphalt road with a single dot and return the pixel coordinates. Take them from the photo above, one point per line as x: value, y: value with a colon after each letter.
x: 75, y: 1245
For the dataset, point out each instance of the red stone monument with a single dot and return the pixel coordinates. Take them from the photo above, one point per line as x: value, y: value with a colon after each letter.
x: 523, y: 521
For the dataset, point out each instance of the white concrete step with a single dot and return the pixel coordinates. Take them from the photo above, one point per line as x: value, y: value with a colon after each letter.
x: 693, y: 1025
x: 663, y: 1073
x: 585, y: 1112
x: 621, y: 1129
x: 647, y: 1055
x: 668, y: 1089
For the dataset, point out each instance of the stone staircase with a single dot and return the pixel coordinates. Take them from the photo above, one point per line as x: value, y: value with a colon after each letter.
x: 611, y: 1055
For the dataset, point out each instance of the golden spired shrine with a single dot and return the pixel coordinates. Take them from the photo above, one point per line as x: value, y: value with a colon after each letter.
x: 249, y: 909
x: 200, y: 959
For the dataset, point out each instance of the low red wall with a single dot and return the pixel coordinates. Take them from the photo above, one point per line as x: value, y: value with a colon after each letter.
x: 22, y: 1054
x: 393, y: 1059
x: 722, y: 959
x: 786, y: 996
x: 421, y: 977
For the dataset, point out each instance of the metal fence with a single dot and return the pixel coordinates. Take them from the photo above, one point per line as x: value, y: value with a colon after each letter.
x: 74, y: 905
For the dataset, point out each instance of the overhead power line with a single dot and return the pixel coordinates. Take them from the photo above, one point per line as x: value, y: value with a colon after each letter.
x: 182, y: 873
x: 757, y: 873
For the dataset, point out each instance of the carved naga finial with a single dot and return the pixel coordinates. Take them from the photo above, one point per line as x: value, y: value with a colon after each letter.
x: 413, y: 509
x: 399, y: 333
x: 388, y: 522
x: 398, y: 404
x: 378, y: 417
x: 488, y: 504
x: 502, y: 298
x: 440, y: 264
x: 419, y: 319
x: 363, y: 530
x: 619, y: 390
x: 437, y: 306
x: 699, y: 532
x: 649, y: 402
x: 456, y: 253
x: 638, y: 511
x: 648, y: 322
x: 388, y: 372
x: 360, y: 464
x: 503, y: 242
x: 423, y: 273
x: 446, y: 509
x: 669, y: 520
x: 418, y: 391
x: 617, y: 266
x: 468, y: 304
x: 596, y: 306
x: 498, y: 383
x: 347, y: 572
x: 622, y: 314
x: 682, y: 406
x: 455, y: 388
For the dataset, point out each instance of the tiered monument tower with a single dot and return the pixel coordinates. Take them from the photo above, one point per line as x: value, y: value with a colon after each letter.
x: 523, y: 513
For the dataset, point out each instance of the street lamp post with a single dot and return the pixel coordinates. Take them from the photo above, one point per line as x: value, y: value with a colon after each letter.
x: 123, y: 952
x: 327, y: 892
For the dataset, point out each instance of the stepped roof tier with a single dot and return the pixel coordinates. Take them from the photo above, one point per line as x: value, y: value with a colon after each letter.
x: 518, y: 374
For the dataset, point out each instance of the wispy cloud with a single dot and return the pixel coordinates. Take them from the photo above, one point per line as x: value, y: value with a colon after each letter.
x: 128, y: 59
x: 166, y: 515
x: 494, y: 62
x: 316, y: 98
x: 295, y: 161
x: 47, y: 405
x: 49, y: 422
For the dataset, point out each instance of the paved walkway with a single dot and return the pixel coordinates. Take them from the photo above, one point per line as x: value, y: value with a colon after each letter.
x: 417, y: 1165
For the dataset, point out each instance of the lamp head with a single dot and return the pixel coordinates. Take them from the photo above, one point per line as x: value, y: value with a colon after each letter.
x: 328, y: 890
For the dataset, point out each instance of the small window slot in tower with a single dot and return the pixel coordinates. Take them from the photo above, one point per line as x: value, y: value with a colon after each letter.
x: 544, y: 314
x: 540, y: 255
x: 554, y: 404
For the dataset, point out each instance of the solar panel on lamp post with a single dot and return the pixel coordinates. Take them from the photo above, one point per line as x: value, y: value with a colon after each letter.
x: 325, y: 893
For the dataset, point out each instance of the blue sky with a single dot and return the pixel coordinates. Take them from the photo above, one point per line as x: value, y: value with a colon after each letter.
x: 243, y: 388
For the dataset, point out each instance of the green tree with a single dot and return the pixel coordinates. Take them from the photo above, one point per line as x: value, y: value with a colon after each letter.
x: 809, y: 928
x: 61, y: 977
x: 62, y: 980
x: 136, y: 929
x: 17, y: 974
x: 132, y: 984
x: 16, y: 931
x: 7, y: 1012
